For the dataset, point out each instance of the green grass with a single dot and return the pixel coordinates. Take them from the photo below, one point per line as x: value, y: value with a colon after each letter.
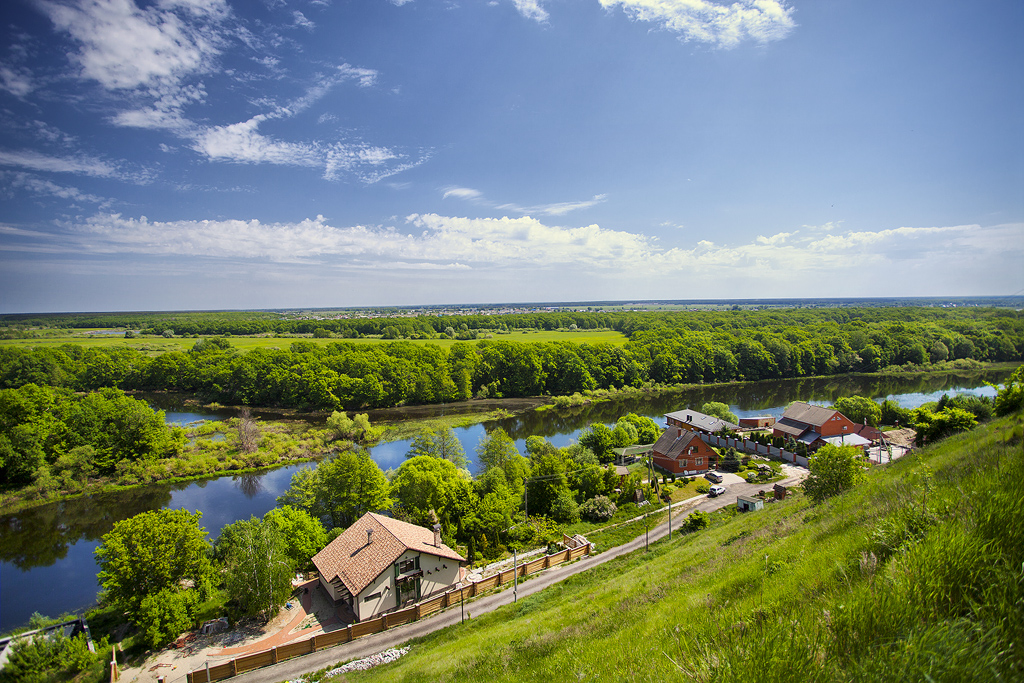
x: 916, y: 574
x: 156, y: 345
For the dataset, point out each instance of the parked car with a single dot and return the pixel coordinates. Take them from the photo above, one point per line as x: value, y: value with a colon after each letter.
x: 713, y: 477
x: 716, y: 491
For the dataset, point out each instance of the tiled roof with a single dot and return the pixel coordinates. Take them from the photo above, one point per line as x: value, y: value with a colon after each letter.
x: 357, y: 563
x: 672, y: 446
x: 704, y: 422
x: 815, y: 416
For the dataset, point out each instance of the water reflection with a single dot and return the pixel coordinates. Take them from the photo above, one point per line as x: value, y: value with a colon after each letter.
x: 249, y: 484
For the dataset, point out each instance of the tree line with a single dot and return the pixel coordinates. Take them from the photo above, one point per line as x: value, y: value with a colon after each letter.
x: 661, y: 348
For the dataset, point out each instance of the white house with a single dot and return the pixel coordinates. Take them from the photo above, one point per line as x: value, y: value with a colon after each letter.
x: 379, y: 563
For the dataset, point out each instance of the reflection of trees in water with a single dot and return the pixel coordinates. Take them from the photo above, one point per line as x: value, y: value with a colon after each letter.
x: 249, y: 484
x: 40, y: 536
x: 749, y: 396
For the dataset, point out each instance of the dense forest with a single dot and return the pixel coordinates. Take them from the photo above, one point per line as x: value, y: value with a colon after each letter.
x: 663, y: 348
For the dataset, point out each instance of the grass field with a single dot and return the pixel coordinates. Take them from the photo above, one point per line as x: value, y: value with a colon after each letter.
x: 155, y: 345
x: 915, y: 574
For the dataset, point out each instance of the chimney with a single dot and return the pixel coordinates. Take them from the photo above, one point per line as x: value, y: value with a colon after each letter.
x: 369, y: 536
x: 437, y: 535
x: 689, y: 418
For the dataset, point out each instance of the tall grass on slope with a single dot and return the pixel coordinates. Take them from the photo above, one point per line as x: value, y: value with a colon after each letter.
x: 915, y: 575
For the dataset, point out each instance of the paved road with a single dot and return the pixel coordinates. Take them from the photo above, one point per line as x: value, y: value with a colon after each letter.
x: 368, y: 645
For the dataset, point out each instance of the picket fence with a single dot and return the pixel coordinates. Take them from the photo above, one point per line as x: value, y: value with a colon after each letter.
x: 320, y: 641
x: 748, y: 446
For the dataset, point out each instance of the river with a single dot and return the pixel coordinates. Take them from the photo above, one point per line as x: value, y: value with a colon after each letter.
x: 46, y: 553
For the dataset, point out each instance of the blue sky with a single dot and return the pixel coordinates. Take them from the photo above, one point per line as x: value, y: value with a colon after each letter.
x: 204, y: 154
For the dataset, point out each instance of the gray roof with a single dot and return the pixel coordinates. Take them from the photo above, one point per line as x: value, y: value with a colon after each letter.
x: 672, y: 446
x: 704, y: 422
x: 808, y: 414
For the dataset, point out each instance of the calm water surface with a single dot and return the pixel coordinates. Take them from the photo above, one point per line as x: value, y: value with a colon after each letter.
x: 46, y: 553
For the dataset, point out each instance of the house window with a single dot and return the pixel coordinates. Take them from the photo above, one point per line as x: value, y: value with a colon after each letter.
x: 406, y: 566
x: 700, y: 462
x: 372, y: 596
x: 844, y: 428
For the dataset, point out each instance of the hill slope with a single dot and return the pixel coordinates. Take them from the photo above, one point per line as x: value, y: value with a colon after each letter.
x: 916, y: 574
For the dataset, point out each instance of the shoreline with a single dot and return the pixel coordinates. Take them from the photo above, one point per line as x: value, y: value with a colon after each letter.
x: 472, y: 411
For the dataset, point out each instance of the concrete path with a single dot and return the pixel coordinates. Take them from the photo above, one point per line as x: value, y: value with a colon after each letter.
x: 368, y: 645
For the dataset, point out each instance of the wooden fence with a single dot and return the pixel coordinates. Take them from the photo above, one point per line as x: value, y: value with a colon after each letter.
x: 385, y: 621
x: 749, y: 446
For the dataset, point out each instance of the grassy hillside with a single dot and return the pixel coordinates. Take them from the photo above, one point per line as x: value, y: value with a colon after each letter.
x: 916, y: 574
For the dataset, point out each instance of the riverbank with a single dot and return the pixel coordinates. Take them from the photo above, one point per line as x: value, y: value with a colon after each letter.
x: 311, y: 441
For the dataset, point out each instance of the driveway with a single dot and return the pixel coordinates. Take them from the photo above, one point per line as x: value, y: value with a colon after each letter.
x: 364, y: 647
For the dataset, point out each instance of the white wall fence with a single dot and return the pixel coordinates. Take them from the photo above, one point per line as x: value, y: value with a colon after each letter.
x: 748, y: 446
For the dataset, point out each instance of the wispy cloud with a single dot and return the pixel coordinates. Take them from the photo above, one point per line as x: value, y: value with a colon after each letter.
x: 721, y: 25
x: 78, y: 164
x: 152, y: 58
x: 531, y: 9
x: 40, y: 186
x: 555, y: 209
x: 16, y: 80
x: 302, y: 22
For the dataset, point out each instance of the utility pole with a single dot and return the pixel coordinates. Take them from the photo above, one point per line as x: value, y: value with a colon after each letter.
x: 647, y: 536
x: 515, y: 577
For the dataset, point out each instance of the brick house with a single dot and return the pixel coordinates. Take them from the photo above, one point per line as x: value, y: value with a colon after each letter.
x: 681, y: 451
x: 816, y: 426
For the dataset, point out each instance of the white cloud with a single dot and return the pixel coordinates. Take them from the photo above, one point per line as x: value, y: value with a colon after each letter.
x: 526, y: 254
x: 123, y: 47
x: 531, y: 9
x: 555, y: 209
x: 36, y: 161
x: 719, y: 24
x: 461, y: 193
x: 17, y: 81
x: 302, y: 21
x: 241, y: 142
x: 40, y: 186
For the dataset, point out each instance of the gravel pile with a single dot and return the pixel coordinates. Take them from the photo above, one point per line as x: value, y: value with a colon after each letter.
x: 360, y: 664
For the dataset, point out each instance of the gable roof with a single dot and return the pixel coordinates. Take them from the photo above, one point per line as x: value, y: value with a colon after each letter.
x: 357, y: 563
x: 808, y: 414
x: 672, y: 446
x: 707, y: 423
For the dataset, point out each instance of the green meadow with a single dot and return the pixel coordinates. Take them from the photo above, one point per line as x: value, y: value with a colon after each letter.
x: 916, y: 574
x: 157, y: 345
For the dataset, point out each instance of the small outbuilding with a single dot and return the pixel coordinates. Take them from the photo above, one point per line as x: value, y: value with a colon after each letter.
x: 749, y: 503
x: 759, y: 422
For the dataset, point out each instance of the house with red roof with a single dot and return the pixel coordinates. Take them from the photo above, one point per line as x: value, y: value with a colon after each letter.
x: 379, y: 564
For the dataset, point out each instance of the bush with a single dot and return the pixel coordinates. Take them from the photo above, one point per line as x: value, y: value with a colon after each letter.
x: 703, y: 487
x: 696, y: 521
x: 598, y: 509
x: 164, y: 616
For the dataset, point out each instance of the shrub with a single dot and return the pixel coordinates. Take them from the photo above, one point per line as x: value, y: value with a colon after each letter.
x: 598, y: 509
x: 696, y: 521
x: 703, y: 487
